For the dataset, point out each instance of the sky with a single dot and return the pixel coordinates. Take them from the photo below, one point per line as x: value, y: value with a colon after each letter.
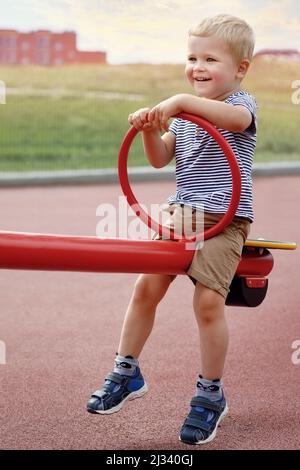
x: 153, y: 31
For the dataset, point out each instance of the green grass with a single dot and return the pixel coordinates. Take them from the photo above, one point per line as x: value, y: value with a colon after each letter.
x: 71, y: 133
x: 70, y: 129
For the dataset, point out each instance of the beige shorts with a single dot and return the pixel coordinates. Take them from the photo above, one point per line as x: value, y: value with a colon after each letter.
x: 215, y: 264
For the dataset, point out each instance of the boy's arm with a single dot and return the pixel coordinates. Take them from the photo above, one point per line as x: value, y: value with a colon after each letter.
x: 158, y: 149
x: 223, y: 115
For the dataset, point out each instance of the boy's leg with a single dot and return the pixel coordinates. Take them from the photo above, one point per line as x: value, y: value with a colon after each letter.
x: 213, y: 266
x: 209, y: 308
x: 208, y: 406
x: 139, y: 319
x: 126, y: 381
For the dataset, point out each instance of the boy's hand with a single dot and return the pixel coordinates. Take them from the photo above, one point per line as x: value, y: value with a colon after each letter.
x: 139, y: 120
x: 160, y: 113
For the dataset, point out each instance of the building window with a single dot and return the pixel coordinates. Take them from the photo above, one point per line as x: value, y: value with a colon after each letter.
x: 43, y: 58
x: 42, y: 42
x: 11, y: 57
x: 11, y: 42
x: 25, y: 46
x: 6, y: 41
x: 58, y: 46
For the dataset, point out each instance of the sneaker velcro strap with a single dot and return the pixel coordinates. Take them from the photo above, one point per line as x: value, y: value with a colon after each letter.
x: 98, y: 394
x: 198, y: 422
x: 207, y: 404
x: 113, y: 377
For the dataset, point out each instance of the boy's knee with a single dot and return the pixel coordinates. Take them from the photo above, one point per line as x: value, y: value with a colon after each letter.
x: 209, y: 306
x: 141, y: 287
x: 150, y: 288
x: 207, y: 314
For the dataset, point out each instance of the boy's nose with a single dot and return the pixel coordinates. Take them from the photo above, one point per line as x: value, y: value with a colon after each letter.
x: 199, y: 66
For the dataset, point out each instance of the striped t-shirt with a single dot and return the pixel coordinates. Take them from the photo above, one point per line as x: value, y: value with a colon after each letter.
x: 203, y: 177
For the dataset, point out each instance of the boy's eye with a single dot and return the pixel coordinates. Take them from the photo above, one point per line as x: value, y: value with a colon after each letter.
x: 191, y: 59
x: 210, y: 59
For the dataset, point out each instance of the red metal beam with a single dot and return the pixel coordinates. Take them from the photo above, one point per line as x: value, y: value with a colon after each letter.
x: 90, y: 254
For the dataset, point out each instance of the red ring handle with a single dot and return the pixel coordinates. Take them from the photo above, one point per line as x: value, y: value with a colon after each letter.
x: 235, y: 174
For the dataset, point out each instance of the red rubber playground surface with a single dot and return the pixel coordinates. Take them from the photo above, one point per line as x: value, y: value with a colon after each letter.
x: 61, y: 332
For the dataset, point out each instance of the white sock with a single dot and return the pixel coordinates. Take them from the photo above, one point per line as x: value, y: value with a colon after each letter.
x: 125, y: 365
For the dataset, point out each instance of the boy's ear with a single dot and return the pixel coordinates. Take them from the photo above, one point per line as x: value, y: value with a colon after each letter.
x: 243, y: 68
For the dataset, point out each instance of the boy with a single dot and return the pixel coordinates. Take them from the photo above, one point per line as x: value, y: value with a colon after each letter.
x: 219, y: 53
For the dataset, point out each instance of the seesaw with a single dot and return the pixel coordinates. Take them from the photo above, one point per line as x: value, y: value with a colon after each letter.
x: 33, y: 251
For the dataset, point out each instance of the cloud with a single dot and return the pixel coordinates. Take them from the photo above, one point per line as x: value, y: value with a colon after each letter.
x: 131, y: 30
x: 156, y: 30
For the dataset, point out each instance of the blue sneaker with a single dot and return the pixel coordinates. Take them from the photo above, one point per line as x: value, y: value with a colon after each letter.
x: 117, y: 389
x: 200, y: 426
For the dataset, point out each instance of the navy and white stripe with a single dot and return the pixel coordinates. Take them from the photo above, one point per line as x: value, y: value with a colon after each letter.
x: 203, y: 176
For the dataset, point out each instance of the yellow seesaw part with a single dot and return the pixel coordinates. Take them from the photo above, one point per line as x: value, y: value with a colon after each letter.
x: 275, y: 244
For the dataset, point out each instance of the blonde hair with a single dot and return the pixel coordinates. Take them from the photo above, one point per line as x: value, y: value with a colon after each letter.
x: 234, y: 31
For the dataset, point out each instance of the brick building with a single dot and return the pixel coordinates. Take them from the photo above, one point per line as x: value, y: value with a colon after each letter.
x: 44, y: 48
x: 291, y: 54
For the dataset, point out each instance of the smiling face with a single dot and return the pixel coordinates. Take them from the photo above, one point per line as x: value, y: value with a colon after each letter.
x: 211, y: 68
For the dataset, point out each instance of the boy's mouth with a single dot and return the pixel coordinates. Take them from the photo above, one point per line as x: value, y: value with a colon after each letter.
x: 202, y: 79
